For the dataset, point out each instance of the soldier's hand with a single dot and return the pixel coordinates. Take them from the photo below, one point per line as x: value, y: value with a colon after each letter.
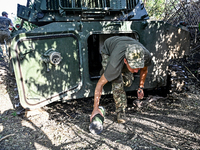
x: 95, y: 112
x: 140, y: 93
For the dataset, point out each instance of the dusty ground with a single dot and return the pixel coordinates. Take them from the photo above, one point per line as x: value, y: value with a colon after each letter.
x: 162, y: 124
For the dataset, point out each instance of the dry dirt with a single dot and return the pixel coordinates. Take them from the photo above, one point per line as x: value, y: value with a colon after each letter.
x: 161, y: 124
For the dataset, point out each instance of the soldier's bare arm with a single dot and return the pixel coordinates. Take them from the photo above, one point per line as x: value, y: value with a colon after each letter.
x: 97, y: 95
x: 143, y: 74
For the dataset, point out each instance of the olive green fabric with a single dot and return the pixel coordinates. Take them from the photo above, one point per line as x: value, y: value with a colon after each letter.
x: 4, y: 36
x: 4, y: 23
x: 115, y: 48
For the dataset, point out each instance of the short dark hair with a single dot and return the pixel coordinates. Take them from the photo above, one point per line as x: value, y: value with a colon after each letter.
x: 4, y: 13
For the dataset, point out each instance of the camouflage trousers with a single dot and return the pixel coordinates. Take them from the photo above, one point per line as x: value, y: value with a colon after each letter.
x: 119, y: 95
x: 4, y: 36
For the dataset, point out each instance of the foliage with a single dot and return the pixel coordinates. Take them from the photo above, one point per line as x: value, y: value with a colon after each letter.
x: 26, y: 25
x: 160, y: 9
x: 199, y: 26
x: 155, y: 8
x: 14, y: 114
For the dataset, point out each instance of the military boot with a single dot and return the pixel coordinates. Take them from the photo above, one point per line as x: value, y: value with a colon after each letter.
x: 121, y: 117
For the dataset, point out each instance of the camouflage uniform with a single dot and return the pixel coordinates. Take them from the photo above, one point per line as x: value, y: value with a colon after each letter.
x: 113, y: 52
x: 4, y: 32
x: 119, y: 94
x: 4, y: 36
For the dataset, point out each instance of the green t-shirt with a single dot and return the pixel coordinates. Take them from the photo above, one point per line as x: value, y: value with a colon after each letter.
x: 115, y: 47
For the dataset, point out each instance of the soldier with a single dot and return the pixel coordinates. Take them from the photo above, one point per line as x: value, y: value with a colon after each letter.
x: 4, y: 31
x: 121, y: 57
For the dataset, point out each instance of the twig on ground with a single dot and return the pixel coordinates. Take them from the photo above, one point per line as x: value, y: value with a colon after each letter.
x: 69, y: 116
x: 6, y: 137
x: 196, y: 48
x: 156, y: 143
x: 191, y: 73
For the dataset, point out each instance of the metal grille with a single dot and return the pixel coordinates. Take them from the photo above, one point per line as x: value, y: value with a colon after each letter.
x: 52, y: 4
x: 70, y: 3
x: 112, y: 4
x: 131, y: 3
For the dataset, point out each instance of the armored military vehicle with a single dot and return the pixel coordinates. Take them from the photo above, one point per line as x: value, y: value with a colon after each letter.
x: 60, y: 59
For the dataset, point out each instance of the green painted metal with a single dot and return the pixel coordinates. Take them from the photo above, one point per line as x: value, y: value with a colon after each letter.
x: 78, y: 43
x: 36, y: 82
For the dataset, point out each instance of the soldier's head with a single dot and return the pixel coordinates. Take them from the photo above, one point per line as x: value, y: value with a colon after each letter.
x: 5, y: 14
x: 134, y: 58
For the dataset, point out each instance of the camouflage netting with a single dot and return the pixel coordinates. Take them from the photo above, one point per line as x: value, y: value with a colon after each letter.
x: 187, y: 11
x: 175, y: 12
